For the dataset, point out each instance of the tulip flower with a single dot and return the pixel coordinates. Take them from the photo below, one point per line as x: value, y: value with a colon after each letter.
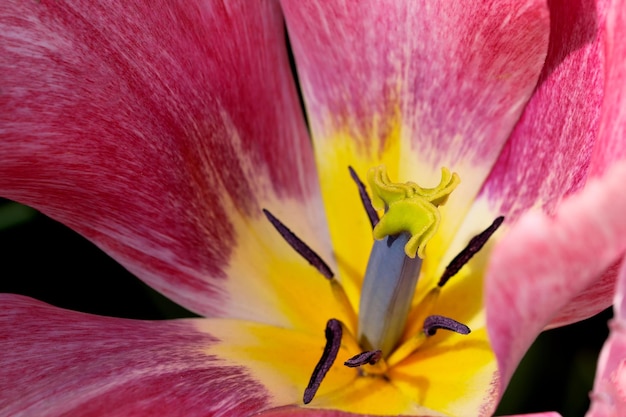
x: 405, y: 239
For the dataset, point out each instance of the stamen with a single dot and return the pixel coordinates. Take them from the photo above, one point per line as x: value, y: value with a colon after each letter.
x: 434, y: 323
x: 314, y: 259
x: 299, y: 246
x: 363, y: 358
x: 430, y: 327
x: 333, y: 342
x: 474, y: 245
x: 365, y: 198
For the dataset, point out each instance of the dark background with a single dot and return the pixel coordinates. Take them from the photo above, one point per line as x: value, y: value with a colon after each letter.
x: 47, y: 261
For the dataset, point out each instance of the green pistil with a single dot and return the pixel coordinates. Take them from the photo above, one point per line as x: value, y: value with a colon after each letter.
x: 411, y: 219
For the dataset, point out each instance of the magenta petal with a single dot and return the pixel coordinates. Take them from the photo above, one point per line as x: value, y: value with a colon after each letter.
x: 543, y: 262
x: 454, y: 71
x: 612, y: 146
x: 146, y: 126
x: 549, y: 152
x: 58, y: 362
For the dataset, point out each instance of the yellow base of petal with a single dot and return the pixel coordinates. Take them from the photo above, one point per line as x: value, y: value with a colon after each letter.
x: 453, y: 375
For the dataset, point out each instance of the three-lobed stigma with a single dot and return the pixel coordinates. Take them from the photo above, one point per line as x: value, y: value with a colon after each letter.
x: 409, y: 208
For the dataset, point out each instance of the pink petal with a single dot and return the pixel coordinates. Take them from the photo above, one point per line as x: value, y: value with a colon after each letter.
x: 443, y: 83
x: 609, y: 391
x: 609, y: 148
x: 455, y: 70
x: 543, y: 262
x: 158, y: 130
x: 58, y: 362
x: 591, y: 300
x: 612, y: 145
x: 548, y: 153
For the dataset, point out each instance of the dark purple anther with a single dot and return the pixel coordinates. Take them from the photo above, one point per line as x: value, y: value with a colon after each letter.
x: 333, y: 342
x: 434, y: 323
x: 365, y: 198
x: 369, y: 357
x: 474, y: 245
x: 299, y: 246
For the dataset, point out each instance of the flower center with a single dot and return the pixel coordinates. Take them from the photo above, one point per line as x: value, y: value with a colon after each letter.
x: 411, y: 218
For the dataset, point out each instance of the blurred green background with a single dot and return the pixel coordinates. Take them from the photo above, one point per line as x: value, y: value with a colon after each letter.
x: 45, y: 260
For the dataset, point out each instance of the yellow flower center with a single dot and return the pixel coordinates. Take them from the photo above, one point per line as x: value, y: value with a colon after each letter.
x: 390, y: 326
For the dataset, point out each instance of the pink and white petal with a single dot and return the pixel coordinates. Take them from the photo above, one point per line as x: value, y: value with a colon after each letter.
x: 573, y: 151
x: 612, y: 145
x: 545, y: 261
x: 608, y: 398
x: 58, y: 362
x: 609, y: 148
x: 591, y: 300
x: 416, y: 86
x: 159, y: 130
x: 548, y: 154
